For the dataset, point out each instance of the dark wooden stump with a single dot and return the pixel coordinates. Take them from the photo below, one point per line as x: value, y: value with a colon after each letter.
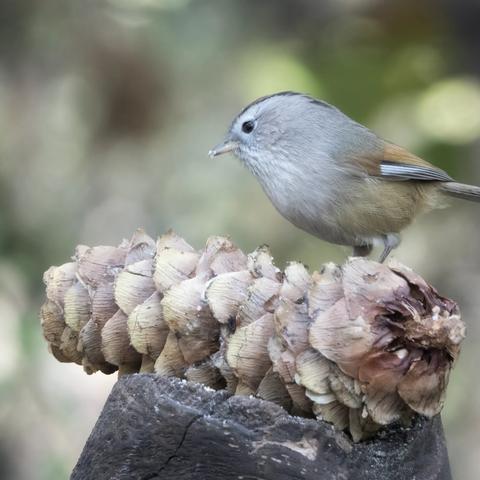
x: 165, y: 428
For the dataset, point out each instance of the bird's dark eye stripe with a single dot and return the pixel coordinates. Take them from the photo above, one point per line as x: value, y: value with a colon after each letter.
x: 248, y: 126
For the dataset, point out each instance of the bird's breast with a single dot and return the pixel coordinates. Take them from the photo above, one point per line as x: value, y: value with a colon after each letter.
x: 307, y: 200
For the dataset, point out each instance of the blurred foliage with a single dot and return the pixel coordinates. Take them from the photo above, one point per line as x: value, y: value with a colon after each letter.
x: 107, y: 110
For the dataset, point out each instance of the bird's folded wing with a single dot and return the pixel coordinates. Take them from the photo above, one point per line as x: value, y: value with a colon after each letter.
x: 402, y: 171
x: 399, y: 164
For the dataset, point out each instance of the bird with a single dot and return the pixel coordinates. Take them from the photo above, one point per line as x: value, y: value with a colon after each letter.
x: 333, y: 177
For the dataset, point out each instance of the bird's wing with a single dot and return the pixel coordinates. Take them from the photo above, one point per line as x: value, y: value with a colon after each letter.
x: 402, y: 171
x: 396, y: 163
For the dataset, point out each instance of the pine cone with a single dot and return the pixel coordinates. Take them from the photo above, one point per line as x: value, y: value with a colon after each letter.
x: 360, y: 346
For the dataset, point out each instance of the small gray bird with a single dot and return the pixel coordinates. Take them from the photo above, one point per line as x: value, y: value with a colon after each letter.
x: 333, y: 177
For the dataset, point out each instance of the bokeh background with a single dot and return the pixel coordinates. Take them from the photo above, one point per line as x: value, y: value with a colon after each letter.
x: 107, y: 111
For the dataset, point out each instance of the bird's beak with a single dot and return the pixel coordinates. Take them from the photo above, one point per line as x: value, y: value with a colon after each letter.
x: 224, y: 147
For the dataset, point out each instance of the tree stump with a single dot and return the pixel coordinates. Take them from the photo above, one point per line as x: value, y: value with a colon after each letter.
x: 154, y: 427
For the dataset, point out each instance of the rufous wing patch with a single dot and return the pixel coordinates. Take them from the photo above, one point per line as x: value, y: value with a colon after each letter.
x: 398, y: 163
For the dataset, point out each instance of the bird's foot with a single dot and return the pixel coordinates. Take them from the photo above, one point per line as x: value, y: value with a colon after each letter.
x: 362, y: 250
x: 390, y: 241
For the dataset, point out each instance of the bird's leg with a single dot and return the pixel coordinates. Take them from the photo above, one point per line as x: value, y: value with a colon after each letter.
x: 390, y: 241
x: 362, y: 250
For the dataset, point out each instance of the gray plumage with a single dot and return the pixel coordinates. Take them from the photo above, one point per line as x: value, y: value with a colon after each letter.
x: 333, y: 177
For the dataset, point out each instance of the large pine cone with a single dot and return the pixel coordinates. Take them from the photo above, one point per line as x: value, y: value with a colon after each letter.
x: 361, y: 346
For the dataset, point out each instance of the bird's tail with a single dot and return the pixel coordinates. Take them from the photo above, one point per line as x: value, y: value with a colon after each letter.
x: 460, y: 190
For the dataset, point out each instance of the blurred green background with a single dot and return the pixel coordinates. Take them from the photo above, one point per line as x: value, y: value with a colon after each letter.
x: 107, y: 111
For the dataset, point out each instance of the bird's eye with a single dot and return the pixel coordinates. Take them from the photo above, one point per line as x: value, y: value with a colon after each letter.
x: 248, y: 126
